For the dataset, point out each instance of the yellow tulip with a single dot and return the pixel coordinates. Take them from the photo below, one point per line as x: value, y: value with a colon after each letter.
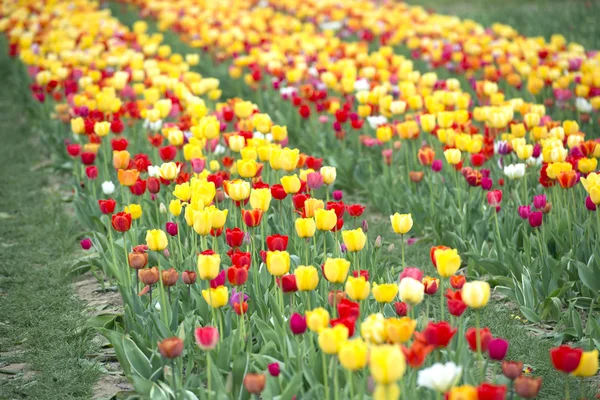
x: 386, y: 363
x: 288, y: 159
x: 311, y: 205
x: 588, y: 365
x: 336, y: 269
x: 305, y: 227
x: 329, y: 174
x: 400, y: 330
x: 102, y: 128
x: 447, y: 261
x: 291, y: 184
x: 217, y: 297
x: 354, y: 240
x: 353, y: 354
x: 135, y: 210
x: 385, y: 293
x: 332, y: 339
x: 238, y: 189
x: 156, y: 240
x: 317, y: 319
x: 325, y: 219
x: 219, y: 217
x: 278, y: 262
x: 401, y: 223
x: 243, y: 109
x: 279, y: 133
x: 208, y: 265
x: 587, y: 165
x: 183, y: 191
x: 476, y: 294
x: 247, y: 168
x: 372, y: 329
x: 307, y: 278
x: 387, y: 392
x: 260, y: 199
x: 452, y: 156
x: 411, y: 291
x: 357, y: 288
x: 202, y: 222
x: 384, y: 133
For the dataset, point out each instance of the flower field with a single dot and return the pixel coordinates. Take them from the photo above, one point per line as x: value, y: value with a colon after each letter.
x: 324, y: 199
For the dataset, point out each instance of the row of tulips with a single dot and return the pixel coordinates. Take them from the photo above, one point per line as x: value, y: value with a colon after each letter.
x: 394, y: 136
x: 252, y: 232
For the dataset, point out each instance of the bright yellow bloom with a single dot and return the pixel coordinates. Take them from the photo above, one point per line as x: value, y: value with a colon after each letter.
x: 183, y: 191
x: 354, y: 240
x: 387, y: 392
x: 400, y: 330
x: 135, y: 210
x: 554, y: 169
x: 387, y: 363
x: 401, y: 223
x: 175, y: 207
x: 385, y: 293
x: 217, y: 297
x: 208, y: 265
x: 247, y: 168
x: 317, y: 319
x: 411, y: 291
x: 325, y: 219
x: 102, y: 128
x: 452, y: 156
x: 278, y: 262
x: 219, y: 217
x: 305, y: 227
x: 353, y: 354
x: 202, y: 221
x: 465, y: 392
x: 587, y: 165
x: 279, y: 133
x: 311, y: 205
x: 372, y: 329
x: 476, y: 294
x: 307, y: 278
x: 447, y: 261
x: 156, y: 240
x: 291, y: 184
x: 332, y: 339
x: 243, y: 109
x: 384, y: 133
x: 336, y: 269
x: 588, y: 365
x: 357, y: 288
x: 238, y: 189
x: 260, y: 199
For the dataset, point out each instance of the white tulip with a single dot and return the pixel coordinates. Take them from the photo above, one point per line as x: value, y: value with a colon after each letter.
x: 361, y: 84
x: 514, y: 171
x: 377, y: 120
x: 108, y: 187
x: 583, y: 105
x: 154, y: 171
x: 439, y: 377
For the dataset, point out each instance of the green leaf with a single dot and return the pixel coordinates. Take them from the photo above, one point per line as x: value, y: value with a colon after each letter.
x: 589, y: 276
x: 292, y: 387
x: 530, y: 314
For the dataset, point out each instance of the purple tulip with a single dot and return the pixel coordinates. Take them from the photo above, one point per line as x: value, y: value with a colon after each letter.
x: 86, y: 243
x: 539, y: 201
x: 337, y: 195
x: 365, y: 226
x: 298, y: 324
x: 235, y: 297
x: 274, y: 369
x: 537, y: 150
x: 497, y: 349
x: 535, y: 219
x: 437, y: 165
x: 486, y: 183
x: 524, y: 211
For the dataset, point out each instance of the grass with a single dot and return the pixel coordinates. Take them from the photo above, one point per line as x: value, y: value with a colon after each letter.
x: 575, y: 19
x: 42, y: 320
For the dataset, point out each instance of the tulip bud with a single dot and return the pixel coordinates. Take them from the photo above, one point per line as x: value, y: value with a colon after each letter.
x: 255, y: 383
x: 163, y: 208
x: 274, y: 369
x: 138, y: 260
x: 171, y: 347
x: 436, y: 165
x: 189, y: 277
x: 535, y: 219
x: 378, y: 241
x: 365, y: 226
x: 497, y: 349
x: 512, y: 369
x: 86, y: 243
x: 337, y: 195
x: 171, y: 228
x: 589, y: 204
x: 298, y: 324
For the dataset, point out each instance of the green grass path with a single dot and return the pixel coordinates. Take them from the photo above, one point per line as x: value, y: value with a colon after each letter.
x: 41, y: 321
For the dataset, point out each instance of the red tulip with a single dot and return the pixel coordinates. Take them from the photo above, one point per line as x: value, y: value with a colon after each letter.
x: 88, y: 158
x: 277, y: 242
x: 457, y: 281
x: 172, y: 228
x: 487, y: 391
x: 348, y: 309
x: 401, y: 308
x: 237, y: 276
x: 348, y: 322
x: 107, y: 206
x: 86, y: 243
x: 355, y: 210
x: 497, y: 349
x: 287, y: 283
x: 171, y: 347
x: 153, y: 185
x: 338, y: 207
x: 138, y: 188
x: 252, y: 218
x: 234, y: 237
x: 73, y: 149
x: 565, y: 358
x: 298, y: 324
x: 278, y: 192
x: 207, y: 337
x: 240, y: 309
x: 363, y: 272
x: 485, y: 338
x: 167, y: 153
x: 119, y: 144
x: 240, y: 258
x: 91, y: 172
x: 567, y: 179
x: 494, y: 197
x: 299, y: 199
x: 456, y: 306
x: 117, y: 126
x: 438, y: 334
x: 274, y: 369
x: 536, y: 219
x: 121, y: 222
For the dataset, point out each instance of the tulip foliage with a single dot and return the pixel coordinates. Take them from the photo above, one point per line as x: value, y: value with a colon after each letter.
x: 221, y: 222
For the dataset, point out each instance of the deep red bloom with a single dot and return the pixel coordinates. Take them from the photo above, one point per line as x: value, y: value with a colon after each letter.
x: 565, y: 358
x: 119, y: 144
x: 438, y: 334
x: 363, y: 272
x: 497, y: 349
x: 252, y: 218
x: 153, y: 185
x: 401, y: 308
x: 486, y: 338
x: 237, y: 276
x: 355, y: 210
x: 299, y: 199
x: 298, y: 324
x: 240, y: 258
x: 348, y: 322
x: 240, y: 309
x: 217, y: 179
x: 278, y: 192
x: 167, y: 153
x: 487, y: 391
x: 91, y: 171
x: 88, y: 158
x: 287, y: 283
x: 274, y: 369
x: 142, y: 162
x: 121, y: 222
x: 456, y: 306
x: 338, y: 207
x: 338, y: 225
x: 457, y: 281
x: 314, y: 163
x: 117, y: 126
x: 107, y: 206
x: 304, y: 111
x: 536, y: 218
x: 418, y: 351
x: 277, y: 242
x: 477, y: 159
x: 73, y: 149
x: 138, y: 188
x: 348, y: 309
x: 234, y: 237
x: 172, y: 228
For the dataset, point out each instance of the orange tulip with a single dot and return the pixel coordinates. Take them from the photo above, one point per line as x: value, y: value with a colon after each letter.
x: 128, y: 177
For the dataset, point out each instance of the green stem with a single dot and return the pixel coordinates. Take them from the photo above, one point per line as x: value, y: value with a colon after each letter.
x: 478, y: 342
x: 441, y: 289
x: 325, y: 381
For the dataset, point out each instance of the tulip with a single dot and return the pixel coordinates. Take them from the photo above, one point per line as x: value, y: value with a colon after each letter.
x: 291, y: 184
x: 400, y: 330
x: 386, y: 363
x: 156, y: 240
x: 108, y: 188
x: 128, y: 177
x: 307, y: 278
x: 331, y: 339
x: 476, y: 294
x: 171, y: 347
x: 252, y: 218
x: 149, y: 276
x: 373, y: 329
x: 411, y: 272
x: 588, y: 364
x: 354, y: 240
x: 431, y: 285
x: 325, y: 219
x: 278, y: 262
x: 188, y: 277
x: 317, y: 319
x: 385, y: 293
x: 485, y: 337
x: 447, y: 262
x: 465, y: 392
x: 411, y: 291
x: 274, y: 369
x: 237, y: 189
x: 453, y: 156
x: 497, y: 349
x: 107, y: 206
x: 401, y: 308
x: 311, y: 205
x: 305, y: 227
x: 236, y: 275
x: 527, y: 387
x: 208, y: 264
x: 401, y: 223
x: 216, y: 297
x: 171, y: 228
x: 169, y: 277
x: 386, y: 392
x: 536, y: 219
x: 206, y: 337
x: 491, y: 392
x: 514, y: 171
x: 298, y: 324
x: 457, y: 281
x: 329, y: 174
x: 539, y: 201
x: 287, y: 283
x: 260, y: 199
x: 234, y: 237
x: 255, y: 383
x: 512, y: 369
x: 86, y: 243
x: 357, y: 288
x: 353, y: 354
x: 355, y: 210
x: 439, y: 377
